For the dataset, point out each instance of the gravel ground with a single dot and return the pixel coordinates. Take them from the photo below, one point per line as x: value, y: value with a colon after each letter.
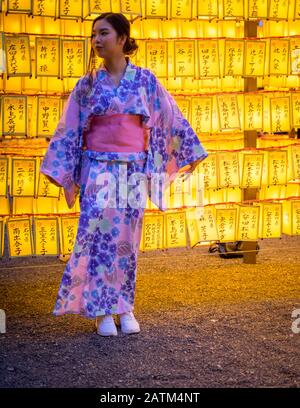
x: 205, y: 322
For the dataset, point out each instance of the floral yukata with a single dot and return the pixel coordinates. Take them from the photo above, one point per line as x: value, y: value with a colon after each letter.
x: 100, y: 276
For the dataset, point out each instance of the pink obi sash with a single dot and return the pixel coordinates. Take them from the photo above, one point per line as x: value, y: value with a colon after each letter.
x: 119, y: 132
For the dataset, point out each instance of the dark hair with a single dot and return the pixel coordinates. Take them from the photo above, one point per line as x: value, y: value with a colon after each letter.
x: 122, y: 26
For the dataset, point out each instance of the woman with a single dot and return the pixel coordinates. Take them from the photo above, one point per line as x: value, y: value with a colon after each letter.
x: 119, y: 123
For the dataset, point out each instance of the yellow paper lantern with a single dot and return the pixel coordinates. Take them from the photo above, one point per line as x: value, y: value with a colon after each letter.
x: 271, y: 220
x: 175, y: 227
x: 291, y: 217
x: 248, y: 223
x: 226, y: 219
x: 68, y: 232
x: 19, y: 237
x: 46, y: 236
x: 152, y: 232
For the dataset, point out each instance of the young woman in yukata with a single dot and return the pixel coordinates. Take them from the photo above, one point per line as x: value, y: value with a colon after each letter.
x: 103, y: 137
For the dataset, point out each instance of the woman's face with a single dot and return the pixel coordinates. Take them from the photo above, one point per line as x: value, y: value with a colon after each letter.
x: 105, y: 40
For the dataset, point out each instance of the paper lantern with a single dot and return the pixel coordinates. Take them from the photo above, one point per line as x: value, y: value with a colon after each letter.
x: 295, y: 55
x: 91, y: 8
x: 208, y: 167
x: 255, y: 53
x: 252, y: 170
x: 229, y: 118
x: 209, y: 63
x: 14, y: 115
x: 228, y: 169
x: 46, y: 188
x: 48, y: 114
x: 22, y: 205
x: 233, y: 9
x: 18, y: 60
x: 3, y: 176
x: 46, y: 236
x: 253, y: 112
x: 45, y: 8
x: 277, y: 169
x: 184, y: 58
x: 207, y: 8
x: 270, y: 220
x: 184, y: 107
x: 226, y: 219
x: 152, y: 232
x: 248, y: 223
x: 19, y: 7
x: 23, y: 177
x: 19, y: 237
x: 45, y: 205
x: 207, y: 227
x: 296, y: 108
x: 73, y: 58
x: 156, y: 9
x: 278, y: 10
x: 131, y: 7
x: 234, y: 58
x: 182, y: 9
x: 175, y: 227
x: 4, y: 206
x: 295, y: 157
x: 157, y: 57
x: 68, y: 232
x: 70, y: 8
x: 257, y: 9
x: 280, y: 114
x: 193, y: 217
x: 47, y: 57
x: 279, y: 57
x: 201, y: 114
x: 291, y: 217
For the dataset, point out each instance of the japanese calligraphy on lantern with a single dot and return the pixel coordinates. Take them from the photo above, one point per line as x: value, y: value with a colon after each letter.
x: 201, y: 111
x: 277, y: 167
x: 157, y: 57
x: 14, y: 115
x: 226, y: 219
x: 3, y: 176
x: 192, y: 225
x: 295, y: 219
x: 295, y: 150
x: 295, y: 55
x: 280, y: 114
x: 257, y: 9
x: 255, y: 53
x: 45, y: 8
x: 295, y: 109
x: 153, y: 232
x: 17, y: 5
x: 73, y: 58
x: 184, y: 106
x: 46, y: 238
x: 297, y: 10
x: 127, y: 6
x: 184, y: 53
x: 207, y: 227
x: 175, y: 229
x: 253, y: 112
x: 23, y: 177
x: 248, y: 223
x: 234, y: 58
x: 69, y: 227
x: 18, y: 61
x: 209, y: 65
x: 156, y: 8
x: 278, y: 9
x: 229, y: 117
x: 181, y: 9
x: 208, y: 167
x: 279, y: 57
x: 232, y: 8
x: 252, y: 170
x: 48, y: 114
x: 271, y: 220
x: 46, y: 188
x: 47, y: 56
x: 207, y: 8
x: 228, y: 169
x: 19, y: 237
x: 70, y: 8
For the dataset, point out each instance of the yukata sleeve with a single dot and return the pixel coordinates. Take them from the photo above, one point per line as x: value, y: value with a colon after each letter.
x: 62, y: 158
x: 173, y: 144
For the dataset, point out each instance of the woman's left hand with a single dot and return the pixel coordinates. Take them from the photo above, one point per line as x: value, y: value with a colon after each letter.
x: 186, y: 174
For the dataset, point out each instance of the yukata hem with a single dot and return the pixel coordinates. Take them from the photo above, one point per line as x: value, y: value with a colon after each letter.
x: 73, y: 312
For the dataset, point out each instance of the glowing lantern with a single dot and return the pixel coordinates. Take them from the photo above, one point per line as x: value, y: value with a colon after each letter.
x: 271, y: 220
x: 19, y: 237
x: 248, y: 223
x: 23, y: 177
x: 175, y: 225
x: 226, y: 219
x: 157, y: 57
x: 46, y: 237
x: 68, y: 231
x: 152, y: 232
x: 291, y: 217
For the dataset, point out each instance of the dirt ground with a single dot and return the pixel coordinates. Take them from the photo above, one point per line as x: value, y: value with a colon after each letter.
x: 205, y: 322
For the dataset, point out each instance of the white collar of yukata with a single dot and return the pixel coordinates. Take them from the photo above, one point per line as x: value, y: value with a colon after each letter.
x: 129, y: 71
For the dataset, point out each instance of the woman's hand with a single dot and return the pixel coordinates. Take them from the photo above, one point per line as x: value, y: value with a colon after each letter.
x: 191, y: 167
